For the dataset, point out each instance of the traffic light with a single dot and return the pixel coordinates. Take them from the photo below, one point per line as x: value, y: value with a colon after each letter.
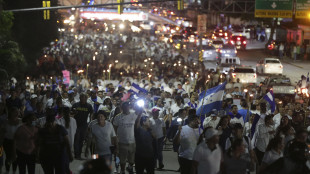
x: 120, y: 7
x: 200, y: 56
x: 46, y: 13
x: 180, y: 4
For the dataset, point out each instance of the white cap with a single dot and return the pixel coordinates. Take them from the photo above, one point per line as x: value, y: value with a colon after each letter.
x: 212, y: 132
x: 34, y: 96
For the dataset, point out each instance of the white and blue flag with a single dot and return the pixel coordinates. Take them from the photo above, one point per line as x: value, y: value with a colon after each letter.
x: 135, y: 88
x: 211, y: 99
x: 269, y: 97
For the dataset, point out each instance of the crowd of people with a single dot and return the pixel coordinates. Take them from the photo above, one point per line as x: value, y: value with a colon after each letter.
x: 125, y: 115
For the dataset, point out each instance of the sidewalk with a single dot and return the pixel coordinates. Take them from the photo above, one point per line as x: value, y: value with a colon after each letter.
x: 303, y: 64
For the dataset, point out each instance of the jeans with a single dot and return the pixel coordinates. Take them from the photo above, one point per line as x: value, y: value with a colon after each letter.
x: 79, y: 138
x: 143, y: 163
x: 24, y: 160
x: 159, y: 150
x: 295, y: 56
x: 7, y: 146
x: 185, y: 165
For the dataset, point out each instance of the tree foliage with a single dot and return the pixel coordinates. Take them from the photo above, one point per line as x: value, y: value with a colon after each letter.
x: 30, y: 29
x: 11, y: 59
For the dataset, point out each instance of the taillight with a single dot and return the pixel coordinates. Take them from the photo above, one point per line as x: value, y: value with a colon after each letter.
x: 233, y: 75
x: 225, y: 34
x: 238, y: 38
x: 281, y: 66
x: 244, y: 42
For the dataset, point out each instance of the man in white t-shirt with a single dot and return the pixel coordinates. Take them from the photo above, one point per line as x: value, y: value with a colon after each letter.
x: 104, y: 137
x: 208, y: 155
x: 124, y: 127
x: 187, y: 137
x: 158, y: 127
x: 177, y: 105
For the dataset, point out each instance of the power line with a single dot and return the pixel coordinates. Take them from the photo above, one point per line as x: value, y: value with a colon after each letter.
x: 85, y: 6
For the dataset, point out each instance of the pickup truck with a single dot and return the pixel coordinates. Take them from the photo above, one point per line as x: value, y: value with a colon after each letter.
x: 280, y: 85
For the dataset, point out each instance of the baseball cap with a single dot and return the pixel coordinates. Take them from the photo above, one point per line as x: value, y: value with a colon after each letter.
x: 34, y: 96
x: 212, y: 132
x: 155, y: 110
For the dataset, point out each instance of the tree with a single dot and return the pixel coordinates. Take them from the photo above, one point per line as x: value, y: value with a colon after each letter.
x: 11, y: 59
x: 30, y: 29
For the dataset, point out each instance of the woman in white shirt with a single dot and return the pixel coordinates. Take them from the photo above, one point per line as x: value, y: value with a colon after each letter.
x: 273, y: 152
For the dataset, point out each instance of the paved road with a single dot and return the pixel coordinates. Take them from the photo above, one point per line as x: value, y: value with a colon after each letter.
x: 291, y: 69
x: 170, y: 162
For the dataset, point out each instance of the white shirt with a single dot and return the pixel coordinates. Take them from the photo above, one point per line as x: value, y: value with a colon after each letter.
x: 157, y: 126
x: 229, y: 86
x: 103, y: 135
x: 208, y: 161
x: 263, y: 136
x: 71, y: 129
x: 209, y: 122
x: 175, y: 108
x: 271, y: 156
x: 247, y: 144
x: 188, y: 142
x: 239, y: 85
x: 125, y: 127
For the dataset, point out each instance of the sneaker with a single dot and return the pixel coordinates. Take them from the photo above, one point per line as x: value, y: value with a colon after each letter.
x: 161, y: 166
x: 116, y: 170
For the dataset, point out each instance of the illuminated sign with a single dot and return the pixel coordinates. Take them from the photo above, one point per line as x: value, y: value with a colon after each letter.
x: 111, y: 15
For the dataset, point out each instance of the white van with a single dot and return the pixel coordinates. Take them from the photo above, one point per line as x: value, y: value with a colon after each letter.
x: 228, y: 63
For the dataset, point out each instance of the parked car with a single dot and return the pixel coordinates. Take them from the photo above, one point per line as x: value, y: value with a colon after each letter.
x: 227, y: 63
x: 269, y: 66
x: 246, y: 74
x: 209, y: 53
x: 228, y: 50
x: 239, y: 41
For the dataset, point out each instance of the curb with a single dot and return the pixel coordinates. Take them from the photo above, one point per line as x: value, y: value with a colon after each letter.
x: 293, y: 64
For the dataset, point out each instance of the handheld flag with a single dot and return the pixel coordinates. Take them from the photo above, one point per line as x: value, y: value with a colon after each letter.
x: 270, y: 99
x: 135, y: 88
x: 211, y: 99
